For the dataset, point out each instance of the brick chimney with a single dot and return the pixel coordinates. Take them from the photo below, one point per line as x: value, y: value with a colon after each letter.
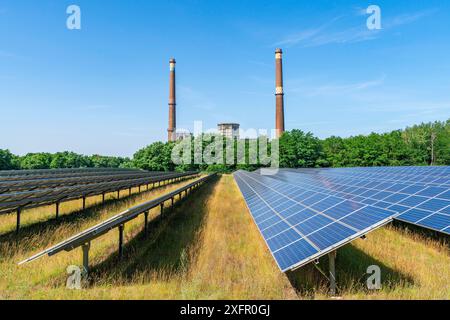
x: 172, y: 103
x: 279, y: 94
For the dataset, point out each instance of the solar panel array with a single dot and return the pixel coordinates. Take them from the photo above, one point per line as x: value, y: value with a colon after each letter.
x: 304, y: 214
x: 117, y: 220
x: 53, y: 189
x: 418, y: 195
x: 46, y: 172
x: 17, y: 184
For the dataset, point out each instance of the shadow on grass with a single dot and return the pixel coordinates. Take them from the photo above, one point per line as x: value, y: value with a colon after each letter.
x: 351, y: 274
x: 166, y: 249
x: 47, y: 226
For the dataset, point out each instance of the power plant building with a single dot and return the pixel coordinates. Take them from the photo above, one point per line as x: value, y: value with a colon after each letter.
x: 229, y: 130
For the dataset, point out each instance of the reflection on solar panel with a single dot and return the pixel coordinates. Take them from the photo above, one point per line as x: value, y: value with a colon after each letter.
x: 303, y: 223
x: 306, y: 213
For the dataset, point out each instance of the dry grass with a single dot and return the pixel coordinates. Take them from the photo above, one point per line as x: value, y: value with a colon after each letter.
x: 209, y: 248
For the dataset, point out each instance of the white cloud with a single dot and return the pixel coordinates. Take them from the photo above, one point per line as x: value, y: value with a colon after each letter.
x: 338, y: 89
x: 327, y: 33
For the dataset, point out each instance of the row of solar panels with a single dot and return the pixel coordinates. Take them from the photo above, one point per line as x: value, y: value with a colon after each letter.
x: 58, y: 171
x: 61, y: 173
x: 118, y: 220
x: 57, y: 181
x: 304, y: 214
x: 10, y: 202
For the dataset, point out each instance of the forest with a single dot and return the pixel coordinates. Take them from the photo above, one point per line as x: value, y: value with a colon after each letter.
x: 419, y: 145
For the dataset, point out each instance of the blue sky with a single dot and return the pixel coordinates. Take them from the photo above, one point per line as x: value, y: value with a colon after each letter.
x: 104, y: 88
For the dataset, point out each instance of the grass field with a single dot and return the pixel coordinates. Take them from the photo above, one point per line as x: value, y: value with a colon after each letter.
x: 209, y: 248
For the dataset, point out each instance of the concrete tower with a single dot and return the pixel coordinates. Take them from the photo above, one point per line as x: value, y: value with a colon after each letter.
x: 172, y: 103
x: 279, y: 94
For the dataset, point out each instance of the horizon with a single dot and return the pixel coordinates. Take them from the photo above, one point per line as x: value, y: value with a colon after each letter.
x: 206, y: 132
x: 104, y: 89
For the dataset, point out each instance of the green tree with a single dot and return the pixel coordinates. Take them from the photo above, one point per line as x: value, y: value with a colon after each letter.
x: 155, y: 157
x: 69, y: 160
x: 36, y: 161
x: 8, y: 161
x: 300, y: 150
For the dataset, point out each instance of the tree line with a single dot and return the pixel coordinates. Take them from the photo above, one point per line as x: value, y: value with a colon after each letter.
x: 419, y: 145
x: 59, y: 160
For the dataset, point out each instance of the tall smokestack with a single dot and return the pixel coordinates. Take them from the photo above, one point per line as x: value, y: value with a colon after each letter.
x: 279, y: 94
x: 172, y: 103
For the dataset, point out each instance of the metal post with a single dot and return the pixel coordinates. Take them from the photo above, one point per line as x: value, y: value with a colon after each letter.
x: 162, y: 209
x: 172, y: 201
x: 103, y: 198
x: 146, y: 223
x: 118, y: 194
x: 331, y: 258
x: 129, y: 193
x: 18, y: 221
x: 121, y: 227
x: 84, y: 203
x: 139, y: 188
x: 57, y: 210
x: 86, y: 248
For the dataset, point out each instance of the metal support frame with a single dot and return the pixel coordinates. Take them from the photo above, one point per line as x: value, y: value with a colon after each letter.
x: 146, y: 223
x: 332, y: 267
x: 85, y: 247
x: 57, y: 210
x: 18, y: 221
x: 121, y: 228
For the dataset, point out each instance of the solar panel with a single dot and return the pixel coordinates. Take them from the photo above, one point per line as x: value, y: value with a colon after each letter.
x: 10, y: 202
x: 58, y: 181
x: 303, y: 223
x: 418, y: 195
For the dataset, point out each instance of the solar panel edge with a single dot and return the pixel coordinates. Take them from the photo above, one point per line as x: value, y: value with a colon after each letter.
x: 422, y: 226
x: 339, y: 244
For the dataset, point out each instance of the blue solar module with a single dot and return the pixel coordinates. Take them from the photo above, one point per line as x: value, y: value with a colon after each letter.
x: 419, y: 195
x: 303, y: 223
